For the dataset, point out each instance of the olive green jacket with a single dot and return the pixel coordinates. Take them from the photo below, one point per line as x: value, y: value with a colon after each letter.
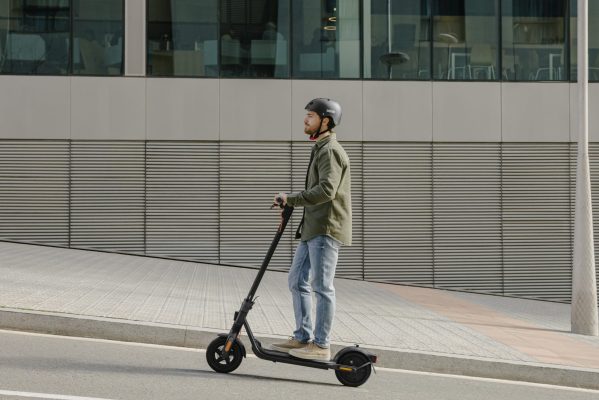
x: 327, y: 198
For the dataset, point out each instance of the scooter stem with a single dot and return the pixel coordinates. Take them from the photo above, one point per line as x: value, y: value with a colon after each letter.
x: 247, y: 304
x: 286, y: 215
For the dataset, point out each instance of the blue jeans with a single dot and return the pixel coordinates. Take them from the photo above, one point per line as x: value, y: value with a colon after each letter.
x: 313, y: 268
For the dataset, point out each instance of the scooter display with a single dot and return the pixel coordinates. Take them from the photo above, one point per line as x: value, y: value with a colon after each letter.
x: 352, y: 365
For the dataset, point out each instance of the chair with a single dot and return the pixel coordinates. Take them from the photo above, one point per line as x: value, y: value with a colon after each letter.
x: 511, y: 64
x: 482, y: 57
x: 188, y: 63
x: 451, y: 39
x: 263, y: 52
x: 113, y: 55
x: 268, y: 52
x: 318, y: 62
x: 269, y: 57
x: 230, y: 51
x: 210, y: 52
x: 25, y: 47
x: 551, y: 72
x: 24, y: 53
x: 230, y: 56
x: 92, y: 55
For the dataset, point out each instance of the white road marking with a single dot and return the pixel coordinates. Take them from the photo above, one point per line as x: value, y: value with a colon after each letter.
x: 118, y: 342
x: 394, y: 370
x: 492, y: 380
x: 46, y: 396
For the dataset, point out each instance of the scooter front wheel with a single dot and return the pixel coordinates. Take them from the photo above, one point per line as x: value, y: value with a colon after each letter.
x: 353, y: 377
x: 216, y: 360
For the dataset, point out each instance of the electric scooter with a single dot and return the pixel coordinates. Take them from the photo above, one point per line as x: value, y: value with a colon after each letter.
x: 352, y: 364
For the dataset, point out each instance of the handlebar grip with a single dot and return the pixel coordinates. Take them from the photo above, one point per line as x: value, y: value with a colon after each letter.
x: 278, y: 203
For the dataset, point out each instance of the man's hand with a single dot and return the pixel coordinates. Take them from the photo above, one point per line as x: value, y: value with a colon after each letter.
x: 280, y: 198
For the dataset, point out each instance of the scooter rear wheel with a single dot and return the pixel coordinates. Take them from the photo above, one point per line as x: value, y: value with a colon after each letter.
x: 214, y: 356
x: 354, y: 378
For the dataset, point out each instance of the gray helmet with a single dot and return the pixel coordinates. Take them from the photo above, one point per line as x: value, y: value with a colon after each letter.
x: 326, y: 108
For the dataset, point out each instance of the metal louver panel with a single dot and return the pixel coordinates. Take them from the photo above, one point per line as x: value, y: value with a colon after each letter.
x: 182, y: 200
x: 491, y: 217
x: 107, y: 195
x: 467, y: 216
x: 351, y: 261
x: 398, y: 212
x: 250, y: 174
x: 536, y: 220
x: 34, y: 195
x: 594, y: 169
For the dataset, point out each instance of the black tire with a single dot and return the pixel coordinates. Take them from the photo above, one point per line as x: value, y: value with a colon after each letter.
x: 354, y: 378
x: 215, y: 359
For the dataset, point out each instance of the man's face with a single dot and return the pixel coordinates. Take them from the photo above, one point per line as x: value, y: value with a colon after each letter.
x: 311, y: 123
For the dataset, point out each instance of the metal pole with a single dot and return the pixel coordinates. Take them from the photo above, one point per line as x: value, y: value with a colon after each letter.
x: 584, y: 285
x: 389, y: 37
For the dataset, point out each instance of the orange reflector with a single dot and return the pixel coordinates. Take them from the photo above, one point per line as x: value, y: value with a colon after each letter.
x: 346, y: 369
x: 228, y: 346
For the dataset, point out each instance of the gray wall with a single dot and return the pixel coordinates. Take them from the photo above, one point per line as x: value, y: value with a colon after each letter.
x: 86, y: 108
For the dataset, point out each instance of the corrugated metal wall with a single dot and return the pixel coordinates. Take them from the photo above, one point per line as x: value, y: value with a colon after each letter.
x: 537, y: 217
x: 108, y: 195
x: 398, y: 205
x: 34, y: 191
x: 467, y: 234
x: 182, y: 202
x: 487, y: 217
x: 250, y: 175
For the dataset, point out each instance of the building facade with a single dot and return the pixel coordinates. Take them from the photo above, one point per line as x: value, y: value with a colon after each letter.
x: 164, y: 127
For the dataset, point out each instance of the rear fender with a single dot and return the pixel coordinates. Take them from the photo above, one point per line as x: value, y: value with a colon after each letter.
x: 372, y: 357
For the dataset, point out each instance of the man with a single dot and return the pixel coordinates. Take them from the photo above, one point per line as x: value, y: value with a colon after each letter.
x: 325, y: 226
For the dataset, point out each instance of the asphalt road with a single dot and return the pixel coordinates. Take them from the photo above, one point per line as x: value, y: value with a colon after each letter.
x: 34, y: 366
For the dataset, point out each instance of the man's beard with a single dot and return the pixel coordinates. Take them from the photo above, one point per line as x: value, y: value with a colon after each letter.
x: 309, y: 131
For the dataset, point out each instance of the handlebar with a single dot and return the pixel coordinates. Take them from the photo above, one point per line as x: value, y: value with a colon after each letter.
x: 278, y: 203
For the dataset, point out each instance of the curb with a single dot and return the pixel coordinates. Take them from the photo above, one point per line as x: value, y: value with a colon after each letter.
x: 185, y: 336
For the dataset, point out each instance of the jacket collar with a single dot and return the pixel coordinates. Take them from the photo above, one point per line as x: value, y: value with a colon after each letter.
x: 323, y: 141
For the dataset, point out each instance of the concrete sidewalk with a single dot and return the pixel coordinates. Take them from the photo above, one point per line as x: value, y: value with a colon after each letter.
x: 121, y: 297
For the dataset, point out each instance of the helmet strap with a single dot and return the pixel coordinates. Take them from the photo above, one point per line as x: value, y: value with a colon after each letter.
x: 315, y: 136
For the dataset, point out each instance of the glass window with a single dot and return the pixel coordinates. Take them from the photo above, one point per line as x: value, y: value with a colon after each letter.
x: 534, y: 40
x: 593, y: 40
x: 396, y: 38
x: 326, y: 39
x: 34, y: 36
x: 182, y: 38
x: 254, y: 39
x: 466, y: 39
x: 98, y: 37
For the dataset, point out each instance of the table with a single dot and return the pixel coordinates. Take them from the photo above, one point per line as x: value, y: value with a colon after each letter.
x: 394, y: 58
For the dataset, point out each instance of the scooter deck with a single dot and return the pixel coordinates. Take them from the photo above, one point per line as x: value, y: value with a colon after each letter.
x: 279, y: 356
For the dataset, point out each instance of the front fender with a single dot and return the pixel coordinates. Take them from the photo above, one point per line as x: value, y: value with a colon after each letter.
x: 239, y: 342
